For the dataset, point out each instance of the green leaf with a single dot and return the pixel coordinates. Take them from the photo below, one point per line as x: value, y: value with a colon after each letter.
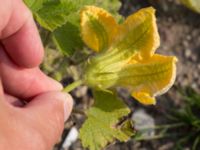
x: 111, y: 5
x: 62, y: 18
x: 35, y: 5
x: 67, y: 38
x: 54, y: 14
x: 66, y: 28
x: 192, y: 4
x: 104, y: 123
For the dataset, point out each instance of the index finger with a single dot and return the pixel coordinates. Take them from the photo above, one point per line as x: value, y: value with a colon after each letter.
x: 20, y: 36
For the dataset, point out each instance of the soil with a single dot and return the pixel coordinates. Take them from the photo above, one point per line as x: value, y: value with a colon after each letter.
x: 179, y: 30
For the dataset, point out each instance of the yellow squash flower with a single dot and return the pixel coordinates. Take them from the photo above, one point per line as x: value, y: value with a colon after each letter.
x: 126, y: 54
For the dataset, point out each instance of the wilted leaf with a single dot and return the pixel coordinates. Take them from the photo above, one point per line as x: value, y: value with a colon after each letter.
x: 103, y: 124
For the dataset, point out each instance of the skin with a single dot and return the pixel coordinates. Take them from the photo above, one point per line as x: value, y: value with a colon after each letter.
x: 37, y: 124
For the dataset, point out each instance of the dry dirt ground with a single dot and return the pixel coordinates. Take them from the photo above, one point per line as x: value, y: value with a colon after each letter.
x: 179, y: 30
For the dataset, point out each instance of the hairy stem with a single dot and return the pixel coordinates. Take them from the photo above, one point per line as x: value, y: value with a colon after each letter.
x: 72, y: 86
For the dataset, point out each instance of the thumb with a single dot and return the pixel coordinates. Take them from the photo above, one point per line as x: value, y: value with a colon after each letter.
x: 48, y: 112
x: 3, y: 105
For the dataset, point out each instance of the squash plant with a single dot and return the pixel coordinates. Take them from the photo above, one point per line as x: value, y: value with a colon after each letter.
x: 120, y: 53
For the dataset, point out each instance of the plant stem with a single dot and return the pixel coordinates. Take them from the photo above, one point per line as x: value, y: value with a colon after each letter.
x: 72, y: 86
x: 155, y: 137
x: 166, y: 126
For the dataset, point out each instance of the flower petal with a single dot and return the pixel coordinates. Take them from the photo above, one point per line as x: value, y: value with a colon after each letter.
x: 149, y: 78
x: 144, y: 98
x: 139, y: 33
x: 98, y: 28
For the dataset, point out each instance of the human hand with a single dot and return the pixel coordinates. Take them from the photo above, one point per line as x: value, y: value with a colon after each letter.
x: 39, y: 123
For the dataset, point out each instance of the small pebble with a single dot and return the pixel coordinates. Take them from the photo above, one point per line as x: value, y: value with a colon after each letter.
x: 188, y: 37
x: 71, y: 138
x: 187, y: 53
x: 81, y: 91
x: 144, y: 123
x: 185, y: 43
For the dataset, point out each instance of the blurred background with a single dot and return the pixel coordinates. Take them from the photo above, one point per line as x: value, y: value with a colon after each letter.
x: 172, y: 124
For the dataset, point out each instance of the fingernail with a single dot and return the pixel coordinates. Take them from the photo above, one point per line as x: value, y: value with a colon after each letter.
x: 68, y: 103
